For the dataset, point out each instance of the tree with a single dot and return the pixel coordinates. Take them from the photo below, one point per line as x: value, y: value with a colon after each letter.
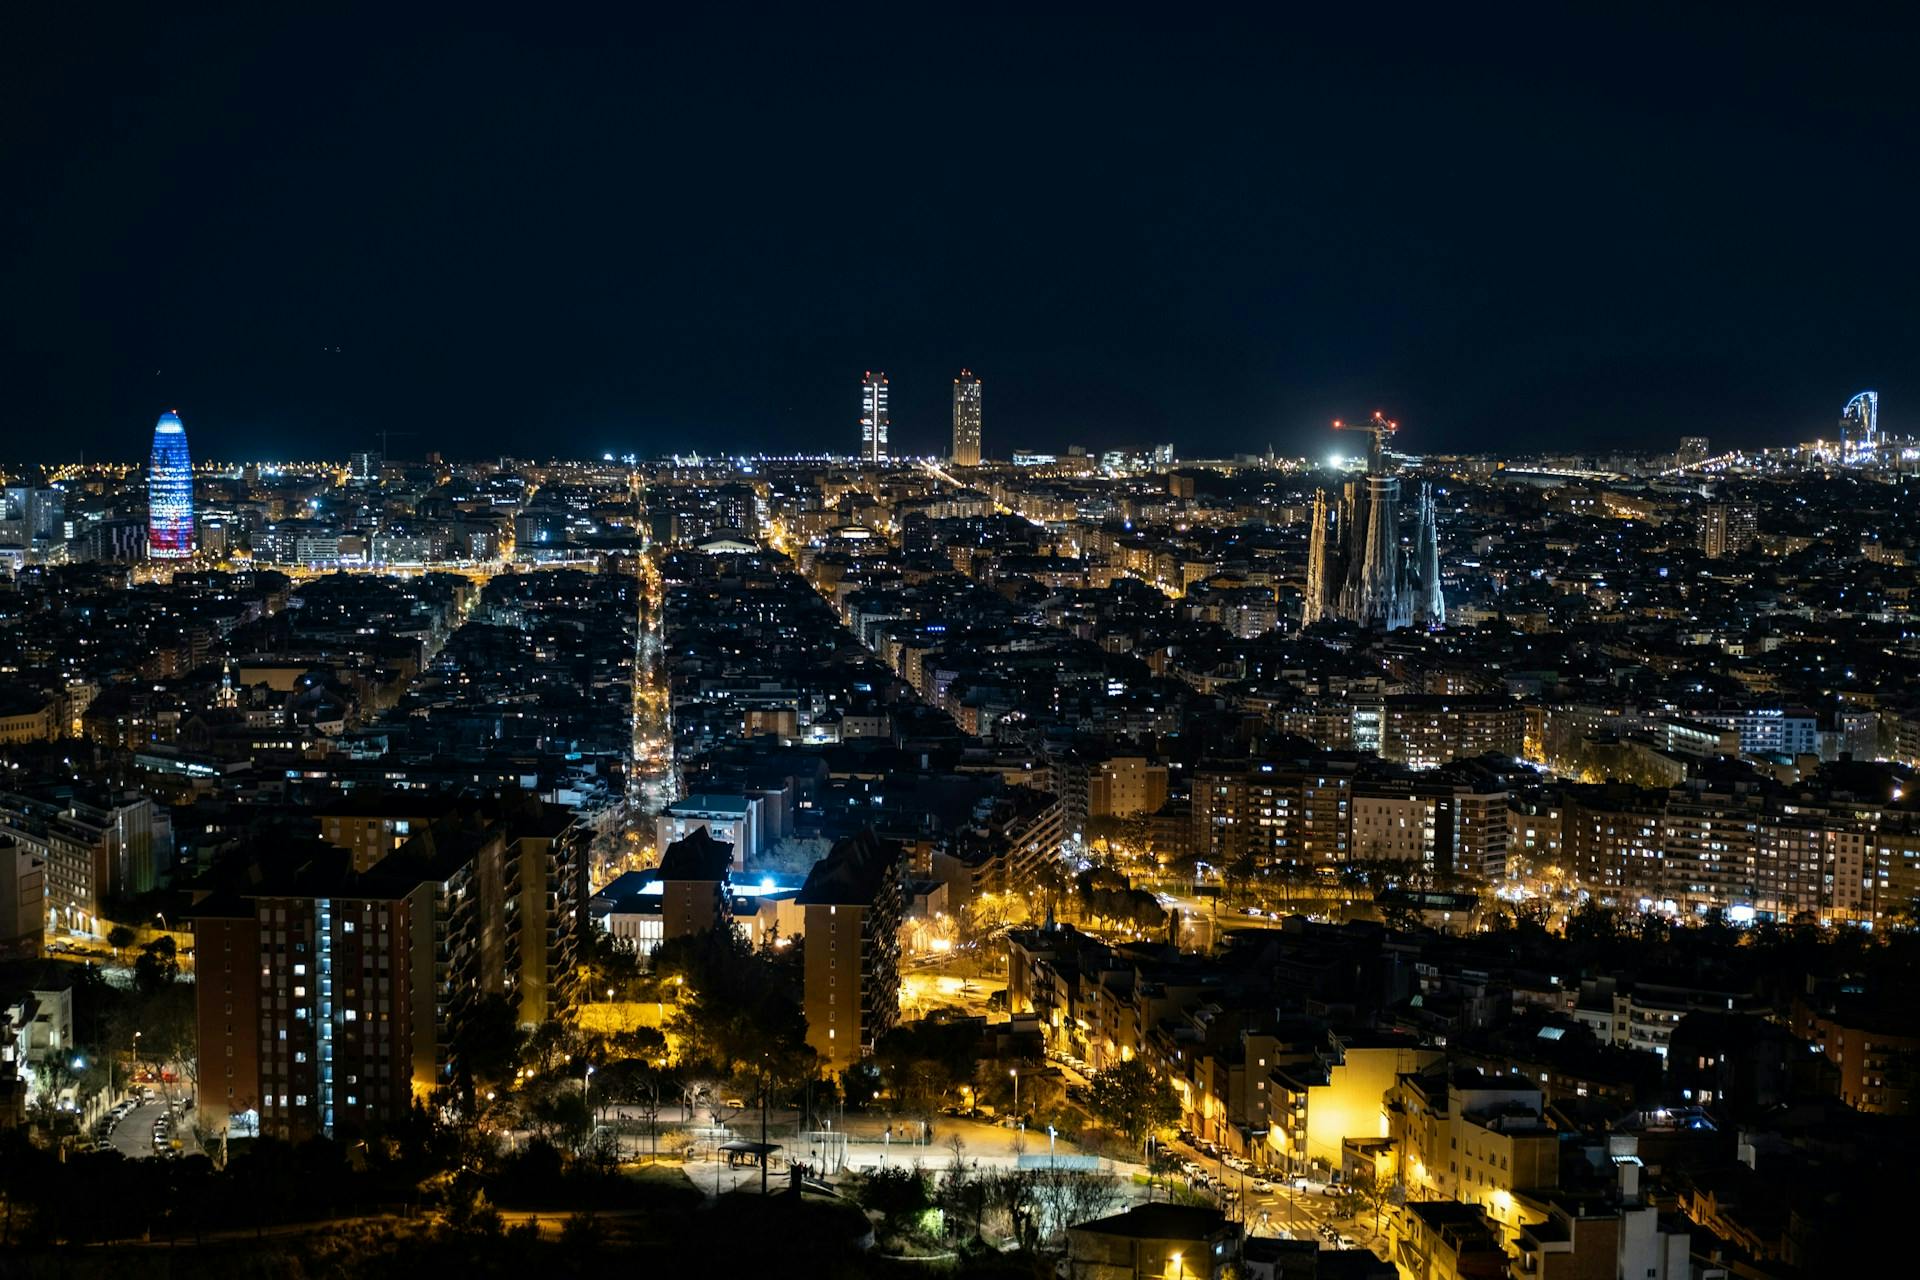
x: 1130, y: 1099
x: 169, y: 1027
x: 156, y: 967
x: 548, y: 1047
x: 120, y: 938
x: 896, y: 1193
x: 922, y: 1062
x: 1592, y: 924
x: 1364, y: 1190
x: 739, y: 1003
x: 485, y: 1044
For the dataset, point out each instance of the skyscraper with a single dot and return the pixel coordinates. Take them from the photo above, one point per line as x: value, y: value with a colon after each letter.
x: 873, y: 417
x: 966, y: 419
x: 1727, y: 528
x: 1860, y: 427
x: 33, y: 518
x: 170, y: 492
x: 1358, y: 569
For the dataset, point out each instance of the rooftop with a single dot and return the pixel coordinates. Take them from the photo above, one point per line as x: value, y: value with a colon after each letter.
x: 696, y: 856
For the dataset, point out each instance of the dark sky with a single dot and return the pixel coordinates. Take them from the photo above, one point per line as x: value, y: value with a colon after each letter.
x: 1579, y: 225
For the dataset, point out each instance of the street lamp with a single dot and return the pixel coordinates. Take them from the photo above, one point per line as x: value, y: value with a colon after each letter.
x: 1015, y: 1073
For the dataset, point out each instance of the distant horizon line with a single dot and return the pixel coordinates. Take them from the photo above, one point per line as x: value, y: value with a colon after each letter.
x: 854, y: 459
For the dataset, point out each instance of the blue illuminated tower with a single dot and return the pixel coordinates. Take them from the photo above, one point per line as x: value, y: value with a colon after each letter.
x: 170, y: 492
x: 1860, y: 427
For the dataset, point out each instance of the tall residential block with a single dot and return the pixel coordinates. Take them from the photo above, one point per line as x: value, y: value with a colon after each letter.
x: 966, y: 419
x: 853, y: 903
x: 332, y: 983
x: 873, y: 417
x: 1727, y: 528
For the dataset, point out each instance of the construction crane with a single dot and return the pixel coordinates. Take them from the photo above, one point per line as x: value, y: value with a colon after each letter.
x: 384, y: 453
x: 1378, y: 428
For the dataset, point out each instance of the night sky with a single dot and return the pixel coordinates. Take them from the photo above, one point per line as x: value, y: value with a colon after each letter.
x: 1592, y: 226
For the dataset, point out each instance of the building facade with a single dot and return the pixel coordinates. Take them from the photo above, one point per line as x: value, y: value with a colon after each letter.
x: 874, y: 418
x: 1727, y: 528
x: 852, y: 904
x: 170, y: 491
x: 1357, y: 568
x: 966, y: 419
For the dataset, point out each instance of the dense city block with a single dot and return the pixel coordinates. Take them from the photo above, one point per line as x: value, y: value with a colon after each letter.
x: 1412, y: 865
x: 1211, y: 642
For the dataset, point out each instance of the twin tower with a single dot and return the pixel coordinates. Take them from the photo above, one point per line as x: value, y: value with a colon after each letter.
x: 1358, y: 568
x: 876, y: 421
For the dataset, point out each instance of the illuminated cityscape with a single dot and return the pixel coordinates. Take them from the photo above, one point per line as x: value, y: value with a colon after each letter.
x: 533, y: 791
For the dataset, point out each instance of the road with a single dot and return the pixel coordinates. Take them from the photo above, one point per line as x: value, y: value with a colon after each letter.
x: 133, y: 1136
x: 1298, y: 1212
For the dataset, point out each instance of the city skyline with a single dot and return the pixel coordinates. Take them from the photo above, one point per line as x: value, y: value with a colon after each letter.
x: 1392, y: 752
x: 1857, y: 438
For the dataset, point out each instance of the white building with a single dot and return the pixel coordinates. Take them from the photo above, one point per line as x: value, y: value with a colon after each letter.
x: 734, y: 820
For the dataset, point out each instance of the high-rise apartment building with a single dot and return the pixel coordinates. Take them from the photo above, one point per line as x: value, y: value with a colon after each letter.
x: 853, y: 901
x: 873, y: 417
x: 96, y: 846
x: 33, y: 519
x: 1728, y: 528
x: 170, y: 491
x: 315, y: 996
x: 966, y: 419
x: 331, y: 989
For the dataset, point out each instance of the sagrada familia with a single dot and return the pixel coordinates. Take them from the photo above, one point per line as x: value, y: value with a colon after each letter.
x: 1358, y: 568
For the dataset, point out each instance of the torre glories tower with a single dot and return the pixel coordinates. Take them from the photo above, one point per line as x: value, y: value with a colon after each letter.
x: 170, y: 492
